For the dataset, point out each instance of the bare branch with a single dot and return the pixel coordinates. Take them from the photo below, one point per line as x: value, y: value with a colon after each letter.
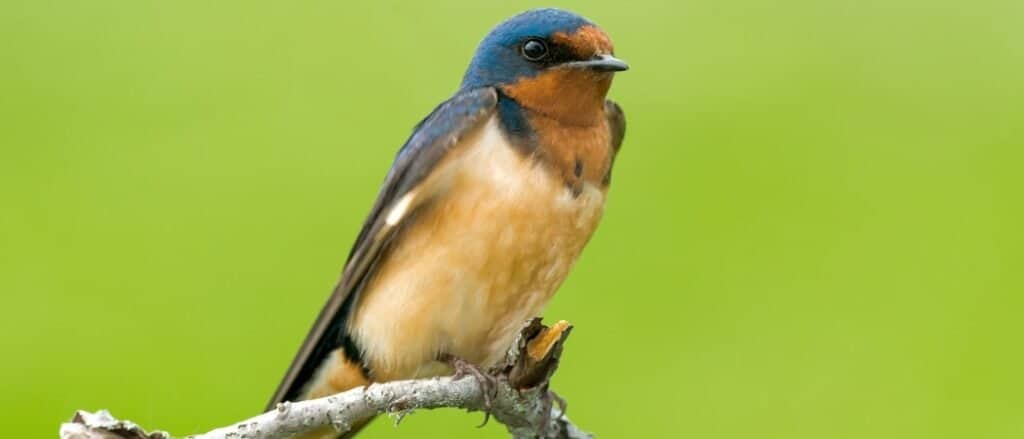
x: 522, y: 401
x: 101, y: 425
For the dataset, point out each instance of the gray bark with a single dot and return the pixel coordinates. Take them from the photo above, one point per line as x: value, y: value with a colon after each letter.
x: 519, y: 399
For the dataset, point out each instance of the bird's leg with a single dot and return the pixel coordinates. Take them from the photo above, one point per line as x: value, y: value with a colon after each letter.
x: 488, y: 383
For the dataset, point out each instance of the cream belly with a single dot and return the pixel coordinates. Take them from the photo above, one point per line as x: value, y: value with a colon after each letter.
x: 497, y: 237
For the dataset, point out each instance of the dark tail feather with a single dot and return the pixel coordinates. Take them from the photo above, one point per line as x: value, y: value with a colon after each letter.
x: 336, y: 374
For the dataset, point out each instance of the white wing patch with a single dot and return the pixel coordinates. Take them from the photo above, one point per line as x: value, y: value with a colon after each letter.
x: 401, y: 208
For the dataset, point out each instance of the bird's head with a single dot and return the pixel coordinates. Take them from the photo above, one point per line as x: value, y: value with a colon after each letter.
x: 549, y: 60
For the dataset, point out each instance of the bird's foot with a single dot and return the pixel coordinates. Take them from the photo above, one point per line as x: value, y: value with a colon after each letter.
x: 488, y: 383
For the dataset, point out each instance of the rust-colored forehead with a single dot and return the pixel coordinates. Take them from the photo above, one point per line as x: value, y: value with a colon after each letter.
x: 587, y: 41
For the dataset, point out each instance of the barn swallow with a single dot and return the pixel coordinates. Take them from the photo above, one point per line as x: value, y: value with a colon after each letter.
x: 483, y: 213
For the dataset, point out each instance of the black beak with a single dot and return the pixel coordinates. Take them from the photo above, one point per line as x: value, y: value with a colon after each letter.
x: 601, y: 63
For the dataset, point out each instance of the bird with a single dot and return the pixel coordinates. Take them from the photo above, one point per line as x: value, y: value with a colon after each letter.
x: 483, y: 213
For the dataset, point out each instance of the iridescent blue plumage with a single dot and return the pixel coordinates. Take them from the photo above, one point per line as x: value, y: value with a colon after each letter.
x: 497, y: 59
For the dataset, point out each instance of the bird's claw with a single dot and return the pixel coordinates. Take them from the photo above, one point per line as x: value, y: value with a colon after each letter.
x: 488, y: 383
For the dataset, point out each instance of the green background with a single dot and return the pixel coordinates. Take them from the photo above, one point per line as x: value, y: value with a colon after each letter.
x: 813, y: 231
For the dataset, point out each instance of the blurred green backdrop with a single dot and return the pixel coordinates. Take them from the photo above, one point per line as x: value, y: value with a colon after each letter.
x: 813, y: 231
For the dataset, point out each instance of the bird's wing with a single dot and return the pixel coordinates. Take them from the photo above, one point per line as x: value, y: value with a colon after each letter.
x: 617, y: 126
x: 399, y: 197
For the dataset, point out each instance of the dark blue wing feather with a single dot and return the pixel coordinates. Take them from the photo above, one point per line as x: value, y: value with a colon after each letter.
x: 431, y: 140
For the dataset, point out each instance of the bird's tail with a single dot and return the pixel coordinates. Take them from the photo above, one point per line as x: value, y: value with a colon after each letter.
x: 336, y: 375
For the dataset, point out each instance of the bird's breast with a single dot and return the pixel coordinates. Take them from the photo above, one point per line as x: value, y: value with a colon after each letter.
x: 498, y: 237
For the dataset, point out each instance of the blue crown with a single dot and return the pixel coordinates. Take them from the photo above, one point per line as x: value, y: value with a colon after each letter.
x: 497, y: 59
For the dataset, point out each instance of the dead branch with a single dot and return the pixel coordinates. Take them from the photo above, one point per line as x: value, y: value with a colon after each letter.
x: 521, y: 401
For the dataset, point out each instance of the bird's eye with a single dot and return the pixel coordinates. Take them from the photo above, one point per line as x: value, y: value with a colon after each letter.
x: 534, y: 49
